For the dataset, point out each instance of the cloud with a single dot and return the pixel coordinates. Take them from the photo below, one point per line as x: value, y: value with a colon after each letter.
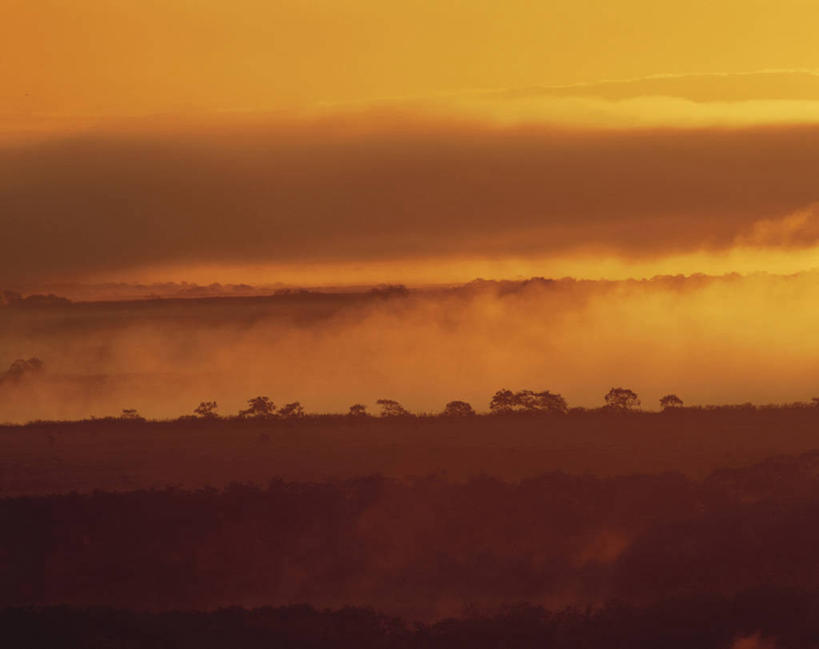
x: 797, y: 230
x: 761, y: 85
x: 386, y: 187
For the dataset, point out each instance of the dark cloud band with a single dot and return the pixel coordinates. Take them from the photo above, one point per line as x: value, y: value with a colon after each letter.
x: 405, y: 188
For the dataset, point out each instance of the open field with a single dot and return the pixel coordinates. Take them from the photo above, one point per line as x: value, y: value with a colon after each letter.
x: 54, y: 457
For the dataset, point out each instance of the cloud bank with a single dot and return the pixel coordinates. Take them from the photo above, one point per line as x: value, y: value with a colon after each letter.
x: 390, y: 187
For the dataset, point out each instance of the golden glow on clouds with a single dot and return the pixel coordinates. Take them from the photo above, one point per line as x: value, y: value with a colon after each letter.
x: 455, y: 269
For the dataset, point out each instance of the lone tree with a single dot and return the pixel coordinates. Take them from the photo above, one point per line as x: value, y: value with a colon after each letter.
x: 458, y: 409
x: 391, y: 408
x: 670, y: 401
x: 130, y: 414
x: 260, y: 407
x: 292, y: 410
x: 206, y: 410
x: 622, y: 399
x: 358, y: 410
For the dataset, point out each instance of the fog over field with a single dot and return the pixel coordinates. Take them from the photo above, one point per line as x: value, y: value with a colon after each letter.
x: 710, y: 340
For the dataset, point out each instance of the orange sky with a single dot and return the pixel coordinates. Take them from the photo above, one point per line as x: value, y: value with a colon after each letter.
x: 132, y: 57
x: 362, y: 141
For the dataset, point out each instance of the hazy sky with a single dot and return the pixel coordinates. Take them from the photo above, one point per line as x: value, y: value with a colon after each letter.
x: 137, y: 56
x: 413, y: 141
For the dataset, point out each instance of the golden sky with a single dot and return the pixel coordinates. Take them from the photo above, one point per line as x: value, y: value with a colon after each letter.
x: 360, y: 141
x: 135, y: 57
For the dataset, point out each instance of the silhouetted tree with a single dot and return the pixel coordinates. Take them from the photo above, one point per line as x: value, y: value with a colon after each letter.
x: 358, y: 410
x: 458, y: 409
x: 391, y: 408
x: 292, y: 410
x: 671, y: 401
x: 622, y: 399
x: 261, y: 407
x: 503, y: 401
x: 206, y: 410
x: 545, y: 401
x: 130, y: 414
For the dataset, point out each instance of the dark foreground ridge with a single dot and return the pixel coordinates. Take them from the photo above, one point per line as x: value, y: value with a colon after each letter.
x: 756, y: 619
x: 128, y: 454
x: 422, y: 548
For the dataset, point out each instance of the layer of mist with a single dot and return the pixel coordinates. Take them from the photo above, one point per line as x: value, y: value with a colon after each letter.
x: 709, y: 340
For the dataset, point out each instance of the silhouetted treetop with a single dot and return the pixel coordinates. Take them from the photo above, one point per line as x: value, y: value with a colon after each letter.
x: 545, y: 401
x: 458, y: 409
x: 15, y: 299
x: 391, y: 408
x: 292, y: 410
x: 131, y: 414
x: 358, y: 410
x: 206, y: 410
x: 622, y: 399
x: 390, y: 290
x: 670, y: 401
x: 260, y: 407
x: 505, y: 401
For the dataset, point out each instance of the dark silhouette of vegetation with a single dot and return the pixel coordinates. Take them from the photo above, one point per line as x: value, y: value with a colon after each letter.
x: 391, y: 408
x: 292, y: 410
x: 358, y: 410
x: 206, y: 410
x: 622, y: 399
x: 412, y: 546
x: 670, y: 401
x: 15, y: 299
x: 390, y: 291
x: 759, y: 618
x: 458, y: 409
x: 131, y: 414
x: 22, y: 368
x: 100, y: 452
x: 505, y: 402
x: 260, y: 408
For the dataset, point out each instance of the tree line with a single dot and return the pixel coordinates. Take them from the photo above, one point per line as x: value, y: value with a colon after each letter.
x: 503, y: 402
x: 415, y: 545
x: 761, y: 618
